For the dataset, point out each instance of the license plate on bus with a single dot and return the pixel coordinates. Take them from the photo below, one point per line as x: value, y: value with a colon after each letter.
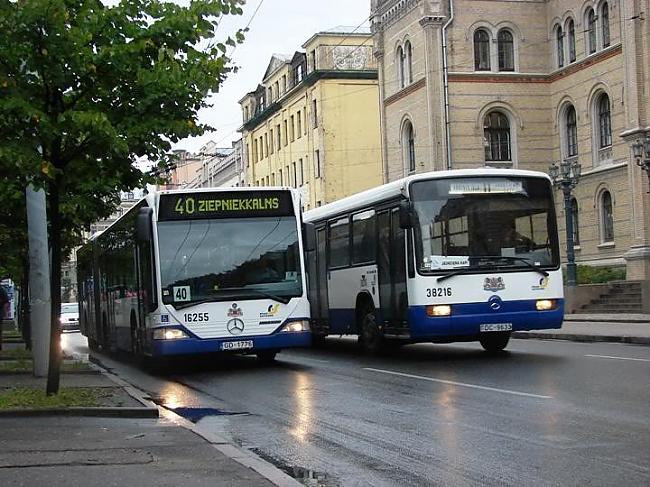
x: 238, y: 345
x: 495, y: 327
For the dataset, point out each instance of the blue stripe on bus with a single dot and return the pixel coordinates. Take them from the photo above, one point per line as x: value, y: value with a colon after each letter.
x: 466, y: 318
x: 210, y: 345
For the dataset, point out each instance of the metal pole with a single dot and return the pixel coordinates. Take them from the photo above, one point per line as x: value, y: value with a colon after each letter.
x: 571, y: 270
x: 39, y: 279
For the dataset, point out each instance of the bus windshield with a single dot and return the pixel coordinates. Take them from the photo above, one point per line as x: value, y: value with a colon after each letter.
x: 224, y: 259
x: 462, y: 224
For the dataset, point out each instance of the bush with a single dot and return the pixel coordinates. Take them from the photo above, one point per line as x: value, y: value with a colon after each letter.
x: 598, y: 275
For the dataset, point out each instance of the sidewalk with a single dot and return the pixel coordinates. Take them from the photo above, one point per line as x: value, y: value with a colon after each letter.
x: 597, y: 328
x: 125, y: 442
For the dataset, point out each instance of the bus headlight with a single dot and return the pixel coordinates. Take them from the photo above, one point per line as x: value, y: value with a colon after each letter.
x: 439, y: 310
x: 545, y: 304
x: 168, y: 334
x: 296, y: 326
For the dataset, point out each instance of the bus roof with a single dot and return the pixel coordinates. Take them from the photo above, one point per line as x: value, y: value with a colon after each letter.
x: 400, y: 188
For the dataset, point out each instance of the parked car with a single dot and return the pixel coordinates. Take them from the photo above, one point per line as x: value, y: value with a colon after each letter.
x: 69, y: 319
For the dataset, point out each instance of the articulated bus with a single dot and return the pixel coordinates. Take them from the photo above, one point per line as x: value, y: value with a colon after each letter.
x: 464, y: 255
x: 206, y: 270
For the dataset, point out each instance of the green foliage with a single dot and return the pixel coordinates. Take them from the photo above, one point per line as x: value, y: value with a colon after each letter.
x: 597, y: 275
x: 88, y: 89
x: 29, y: 398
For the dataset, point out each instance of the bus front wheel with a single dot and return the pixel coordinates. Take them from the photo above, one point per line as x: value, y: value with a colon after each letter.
x: 372, y: 339
x: 495, y: 341
x: 266, y: 356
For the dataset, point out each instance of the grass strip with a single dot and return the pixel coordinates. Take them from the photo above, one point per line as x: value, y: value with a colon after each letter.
x: 22, y: 365
x: 30, y: 398
x: 16, y: 354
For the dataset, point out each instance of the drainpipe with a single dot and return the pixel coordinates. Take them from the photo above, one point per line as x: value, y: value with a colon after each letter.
x: 445, y: 70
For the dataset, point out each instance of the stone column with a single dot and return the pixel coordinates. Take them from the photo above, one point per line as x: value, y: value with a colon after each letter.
x: 432, y: 26
x: 635, y: 30
x: 378, y: 53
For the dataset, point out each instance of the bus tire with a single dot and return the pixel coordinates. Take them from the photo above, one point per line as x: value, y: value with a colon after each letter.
x: 93, y: 345
x: 266, y: 356
x: 318, y: 341
x: 371, y: 337
x: 495, y: 341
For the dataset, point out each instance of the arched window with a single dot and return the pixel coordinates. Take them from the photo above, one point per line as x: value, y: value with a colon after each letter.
x: 496, y: 131
x: 571, y: 132
x: 576, y: 222
x: 591, y: 30
x: 400, y: 67
x: 571, y: 39
x: 506, y: 50
x: 559, y: 41
x: 606, y: 217
x: 408, y: 146
x: 604, y: 121
x: 604, y: 22
x: 481, y: 50
x: 408, y: 64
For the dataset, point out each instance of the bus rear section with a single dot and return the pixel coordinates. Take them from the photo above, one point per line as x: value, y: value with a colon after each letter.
x: 456, y: 256
x: 204, y: 271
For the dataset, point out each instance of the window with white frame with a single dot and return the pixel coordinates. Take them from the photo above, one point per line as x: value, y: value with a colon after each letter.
x: 408, y: 146
x: 559, y: 44
x: 570, y: 30
x: 604, y: 24
x: 576, y: 222
x: 571, y: 131
x: 481, y: 50
x: 506, y: 46
x: 606, y: 217
x: 496, y: 132
x: 590, y: 23
x: 408, y: 64
x: 400, y: 67
x: 604, y: 121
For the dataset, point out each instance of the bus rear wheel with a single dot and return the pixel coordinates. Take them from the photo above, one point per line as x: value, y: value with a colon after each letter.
x: 371, y: 337
x: 495, y: 341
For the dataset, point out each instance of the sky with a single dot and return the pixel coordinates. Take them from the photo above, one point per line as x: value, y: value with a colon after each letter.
x: 279, y: 26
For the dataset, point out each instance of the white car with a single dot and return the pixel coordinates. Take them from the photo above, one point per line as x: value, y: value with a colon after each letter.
x: 69, y: 319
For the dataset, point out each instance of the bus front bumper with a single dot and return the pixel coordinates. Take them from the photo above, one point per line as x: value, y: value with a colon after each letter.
x: 190, y: 346
x: 466, y: 319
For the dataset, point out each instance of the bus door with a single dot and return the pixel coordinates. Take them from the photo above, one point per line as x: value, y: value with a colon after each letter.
x: 391, y: 268
x: 320, y: 306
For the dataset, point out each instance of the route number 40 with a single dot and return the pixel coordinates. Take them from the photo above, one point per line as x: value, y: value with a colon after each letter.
x: 185, y: 206
x: 182, y: 293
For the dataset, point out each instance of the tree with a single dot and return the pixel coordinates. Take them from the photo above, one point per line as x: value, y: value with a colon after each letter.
x: 86, y: 89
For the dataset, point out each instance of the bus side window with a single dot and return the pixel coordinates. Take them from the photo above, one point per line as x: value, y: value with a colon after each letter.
x: 339, y: 243
x: 363, y: 237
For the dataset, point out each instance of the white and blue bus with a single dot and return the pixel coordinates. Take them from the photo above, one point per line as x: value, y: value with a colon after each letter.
x: 464, y: 255
x: 206, y: 270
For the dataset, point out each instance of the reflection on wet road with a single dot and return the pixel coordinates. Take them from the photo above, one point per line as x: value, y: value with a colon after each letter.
x: 544, y: 413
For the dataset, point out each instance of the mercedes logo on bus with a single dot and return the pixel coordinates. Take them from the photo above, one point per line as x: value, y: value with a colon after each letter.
x: 235, y: 326
x: 495, y: 303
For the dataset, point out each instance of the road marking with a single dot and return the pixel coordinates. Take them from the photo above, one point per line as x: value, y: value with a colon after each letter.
x: 620, y: 358
x: 460, y: 384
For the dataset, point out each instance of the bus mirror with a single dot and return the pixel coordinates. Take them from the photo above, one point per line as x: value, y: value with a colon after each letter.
x: 405, y: 221
x: 143, y: 225
x: 309, y: 237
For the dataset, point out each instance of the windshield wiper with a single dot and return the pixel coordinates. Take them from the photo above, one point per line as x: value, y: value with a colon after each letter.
x: 518, y: 259
x: 191, y: 303
x: 274, y: 297
x: 492, y: 258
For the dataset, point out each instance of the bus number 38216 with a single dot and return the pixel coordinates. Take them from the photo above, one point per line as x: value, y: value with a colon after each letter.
x: 438, y: 292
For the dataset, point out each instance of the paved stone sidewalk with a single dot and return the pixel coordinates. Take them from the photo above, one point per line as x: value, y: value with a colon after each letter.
x: 103, y: 452
x: 630, y: 332
x: 609, y: 318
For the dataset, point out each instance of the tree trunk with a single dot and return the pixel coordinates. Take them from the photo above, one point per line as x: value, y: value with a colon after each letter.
x: 54, y: 372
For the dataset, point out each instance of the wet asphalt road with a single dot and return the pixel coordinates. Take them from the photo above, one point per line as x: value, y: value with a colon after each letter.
x: 543, y: 413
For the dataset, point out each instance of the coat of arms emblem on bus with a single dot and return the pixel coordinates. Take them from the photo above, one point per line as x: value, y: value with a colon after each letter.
x: 235, y: 311
x: 494, y: 284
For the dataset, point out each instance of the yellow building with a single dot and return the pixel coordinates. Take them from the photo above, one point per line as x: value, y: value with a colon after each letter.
x: 313, y: 122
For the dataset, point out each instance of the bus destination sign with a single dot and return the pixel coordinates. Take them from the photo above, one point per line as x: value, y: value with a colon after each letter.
x: 224, y: 204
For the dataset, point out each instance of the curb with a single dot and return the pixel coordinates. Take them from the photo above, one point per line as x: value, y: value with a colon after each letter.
x: 95, y: 412
x: 576, y: 337
x: 613, y: 319
x: 244, y: 457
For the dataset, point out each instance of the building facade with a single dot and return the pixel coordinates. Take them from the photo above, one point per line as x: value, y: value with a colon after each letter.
x: 313, y: 121
x: 523, y: 84
x: 221, y: 167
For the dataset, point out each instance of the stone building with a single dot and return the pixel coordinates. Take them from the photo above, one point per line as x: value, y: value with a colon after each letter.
x: 313, y: 121
x: 523, y: 84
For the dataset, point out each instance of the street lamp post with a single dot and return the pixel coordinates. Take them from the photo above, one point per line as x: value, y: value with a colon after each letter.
x: 565, y: 176
x: 641, y: 152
